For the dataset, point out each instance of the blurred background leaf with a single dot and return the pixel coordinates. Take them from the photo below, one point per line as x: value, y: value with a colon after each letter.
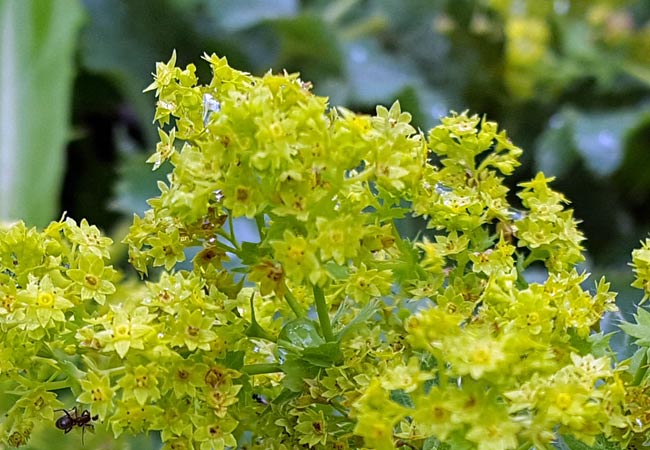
x: 37, y: 43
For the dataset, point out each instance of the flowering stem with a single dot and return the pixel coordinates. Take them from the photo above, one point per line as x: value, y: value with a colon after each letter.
x: 258, y: 369
x: 261, y: 227
x: 293, y: 303
x: 231, y: 233
x: 255, y: 329
x: 323, y: 315
x: 227, y: 247
x: 56, y: 385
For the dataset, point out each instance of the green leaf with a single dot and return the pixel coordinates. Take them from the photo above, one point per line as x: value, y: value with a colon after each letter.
x: 434, y: 444
x: 250, y: 253
x: 568, y: 442
x: 37, y: 45
x: 300, y: 334
x: 234, y: 360
x: 336, y: 271
x: 641, y: 329
x: 324, y: 355
x: 361, y: 318
x: 236, y: 15
x: 639, y: 366
x: 600, y: 344
x: 296, y: 371
x: 308, y: 45
x: 597, y: 138
x: 401, y: 398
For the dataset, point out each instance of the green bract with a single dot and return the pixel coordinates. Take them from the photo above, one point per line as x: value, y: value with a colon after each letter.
x: 326, y: 329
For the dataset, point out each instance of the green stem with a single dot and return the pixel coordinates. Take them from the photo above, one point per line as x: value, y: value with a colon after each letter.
x: 443, y: 379
x: 225, y: 246
x: 255, y: 329
x: 293, y: 303
x: 259, y: 221
x: 323, y: 314
x: 641, y: 371
x: 258, y: 369
x: 56, y: 385
x: 231, y: 231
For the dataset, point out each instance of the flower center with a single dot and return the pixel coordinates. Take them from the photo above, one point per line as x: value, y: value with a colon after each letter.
x: 480, y: 356
x: 563, y: 400
x: 91, y: 281
x: 242, y: 194
x: 122, y: 331
x: 45, y: 299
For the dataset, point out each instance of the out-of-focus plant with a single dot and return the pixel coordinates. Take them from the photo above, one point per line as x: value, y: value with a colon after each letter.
x: 328, y: 329
x: 37, y: 43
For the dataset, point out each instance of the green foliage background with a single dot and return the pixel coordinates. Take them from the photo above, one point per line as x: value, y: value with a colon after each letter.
x: 568, y: 79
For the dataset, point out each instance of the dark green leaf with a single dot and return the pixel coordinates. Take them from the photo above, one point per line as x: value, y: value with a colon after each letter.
x: 336, y: 271
x: 325, y: 355
x: 402, y: 398
x: 310, y: 46
x: 234, y: 360
x: 250, y: 252
x: 296, y: 371
x: 568, y: 442
x: 124, y: 40
x: 434, y: 444
x: 300, y: 334
x: 361, y: 318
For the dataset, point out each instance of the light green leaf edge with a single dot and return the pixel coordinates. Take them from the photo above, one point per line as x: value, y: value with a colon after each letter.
x: 37, y: 44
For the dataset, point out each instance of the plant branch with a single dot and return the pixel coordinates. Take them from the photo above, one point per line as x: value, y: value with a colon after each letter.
x: 259, y: 369
x: 293, y: 303
x: 323, y: 314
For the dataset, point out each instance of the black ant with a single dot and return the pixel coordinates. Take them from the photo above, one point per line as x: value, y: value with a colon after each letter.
x: 261, y: 399
x: 73, y: 418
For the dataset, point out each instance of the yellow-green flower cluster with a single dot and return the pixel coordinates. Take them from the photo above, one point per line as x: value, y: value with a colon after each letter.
x: 49, y: 282
x: 327, y: 330
x: 127, y: 352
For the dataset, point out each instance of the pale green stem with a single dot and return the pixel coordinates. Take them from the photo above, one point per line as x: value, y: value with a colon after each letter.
x: 259, y: 221
x: 293, y: 303
x: 323, y: 314
x: 256, y: 330
x: 259, y: 369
